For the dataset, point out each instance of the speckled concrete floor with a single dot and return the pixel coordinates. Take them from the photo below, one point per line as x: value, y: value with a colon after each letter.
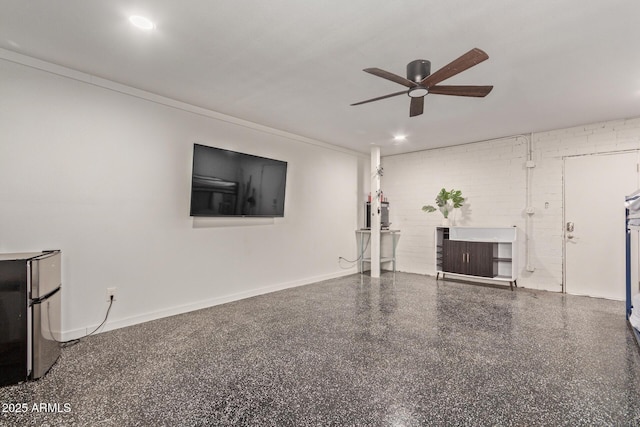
x: 395, y: 351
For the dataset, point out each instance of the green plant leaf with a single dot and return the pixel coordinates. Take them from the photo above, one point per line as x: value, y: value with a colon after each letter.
x: 442, y: 198
x: 446, y: 201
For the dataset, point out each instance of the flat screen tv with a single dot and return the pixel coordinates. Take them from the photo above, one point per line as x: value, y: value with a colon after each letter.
x: 226, y: 183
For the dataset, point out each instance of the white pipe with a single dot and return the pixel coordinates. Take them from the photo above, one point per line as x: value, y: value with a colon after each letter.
x: 375, y: 211
x: 529, y: 191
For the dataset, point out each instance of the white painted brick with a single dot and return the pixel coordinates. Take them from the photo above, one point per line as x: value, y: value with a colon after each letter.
x: 573, y: 140
x: 627, y: 124
x: 602, y: 138
x: 629, y: 133
x: 493, y: 178
x: 628, y: 144
x: 602, y: 125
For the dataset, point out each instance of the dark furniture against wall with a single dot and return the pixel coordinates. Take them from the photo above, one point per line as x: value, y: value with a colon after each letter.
x: 30, y: 314
x: 472, y: 258
x: 477, y: 252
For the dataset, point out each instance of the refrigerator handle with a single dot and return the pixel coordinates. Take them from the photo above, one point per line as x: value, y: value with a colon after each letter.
x: 45, y: 297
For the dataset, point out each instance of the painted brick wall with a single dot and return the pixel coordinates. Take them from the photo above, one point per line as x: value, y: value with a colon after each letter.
x: 493, y: 177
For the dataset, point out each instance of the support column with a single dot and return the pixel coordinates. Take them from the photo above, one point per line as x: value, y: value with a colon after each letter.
x: 375, y: 211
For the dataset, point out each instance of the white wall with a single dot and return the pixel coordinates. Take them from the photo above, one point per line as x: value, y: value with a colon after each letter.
x: 102, y: 172
x: 493, y: 177
x: 549, y: 150
x: 490, y: 175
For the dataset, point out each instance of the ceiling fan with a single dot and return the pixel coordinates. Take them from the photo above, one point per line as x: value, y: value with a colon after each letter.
x: 421, y: 82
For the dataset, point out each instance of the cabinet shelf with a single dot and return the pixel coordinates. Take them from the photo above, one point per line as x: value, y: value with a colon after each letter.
x: 382, y: 259
x: 392, y: 235
x: 477, y: 252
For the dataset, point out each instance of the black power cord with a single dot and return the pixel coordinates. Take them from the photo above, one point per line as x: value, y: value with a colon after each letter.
x: 75, y: 341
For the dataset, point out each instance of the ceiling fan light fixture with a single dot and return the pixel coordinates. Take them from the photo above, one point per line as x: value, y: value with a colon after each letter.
x: 418, y: 92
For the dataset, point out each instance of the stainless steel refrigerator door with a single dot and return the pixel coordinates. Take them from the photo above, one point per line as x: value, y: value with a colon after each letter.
x: 46, y: 311
x: 46, y: 333
x: 45, y: 274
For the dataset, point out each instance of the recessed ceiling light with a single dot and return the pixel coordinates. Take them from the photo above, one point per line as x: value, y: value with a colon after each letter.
x: 400, y: 138
x: 142, y: 22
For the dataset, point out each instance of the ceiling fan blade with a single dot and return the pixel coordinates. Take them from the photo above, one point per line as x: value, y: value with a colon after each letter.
x: 466, y: 61
x: 390, y: 76
x: 477, y: 91
x: 417, y: 106
x: 380, y: 97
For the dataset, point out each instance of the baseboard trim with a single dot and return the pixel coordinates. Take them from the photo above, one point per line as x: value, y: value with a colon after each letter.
x: 185, y: 308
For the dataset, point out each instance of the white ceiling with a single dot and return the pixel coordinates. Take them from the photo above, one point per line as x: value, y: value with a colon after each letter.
x: 297, y: 65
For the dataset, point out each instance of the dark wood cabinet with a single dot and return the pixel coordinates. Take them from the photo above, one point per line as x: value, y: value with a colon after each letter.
x: 477, y: 252
x: 471, y: 258
x: 454, y: 256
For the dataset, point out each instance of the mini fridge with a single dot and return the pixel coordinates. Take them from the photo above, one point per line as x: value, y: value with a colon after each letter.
x: 30, y: 314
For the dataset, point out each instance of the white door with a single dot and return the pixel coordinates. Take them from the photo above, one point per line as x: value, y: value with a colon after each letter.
x: 594, y: 192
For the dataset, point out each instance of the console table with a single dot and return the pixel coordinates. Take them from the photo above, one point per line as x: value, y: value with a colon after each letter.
x: 477, y: 252
x: 364, y: 237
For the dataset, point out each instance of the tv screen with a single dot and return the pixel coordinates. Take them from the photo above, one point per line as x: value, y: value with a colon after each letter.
x: 228, y: 183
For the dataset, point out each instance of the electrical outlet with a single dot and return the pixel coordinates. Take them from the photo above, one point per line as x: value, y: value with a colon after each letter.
x: 111, y: 292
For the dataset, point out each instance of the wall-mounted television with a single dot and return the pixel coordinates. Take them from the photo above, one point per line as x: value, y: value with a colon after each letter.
x: 227, y: 183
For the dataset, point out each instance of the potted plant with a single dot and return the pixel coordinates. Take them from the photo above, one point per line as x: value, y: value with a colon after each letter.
x: 446, y: 201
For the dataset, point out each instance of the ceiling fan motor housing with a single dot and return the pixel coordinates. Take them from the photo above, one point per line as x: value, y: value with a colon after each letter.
x: 419, y: 69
